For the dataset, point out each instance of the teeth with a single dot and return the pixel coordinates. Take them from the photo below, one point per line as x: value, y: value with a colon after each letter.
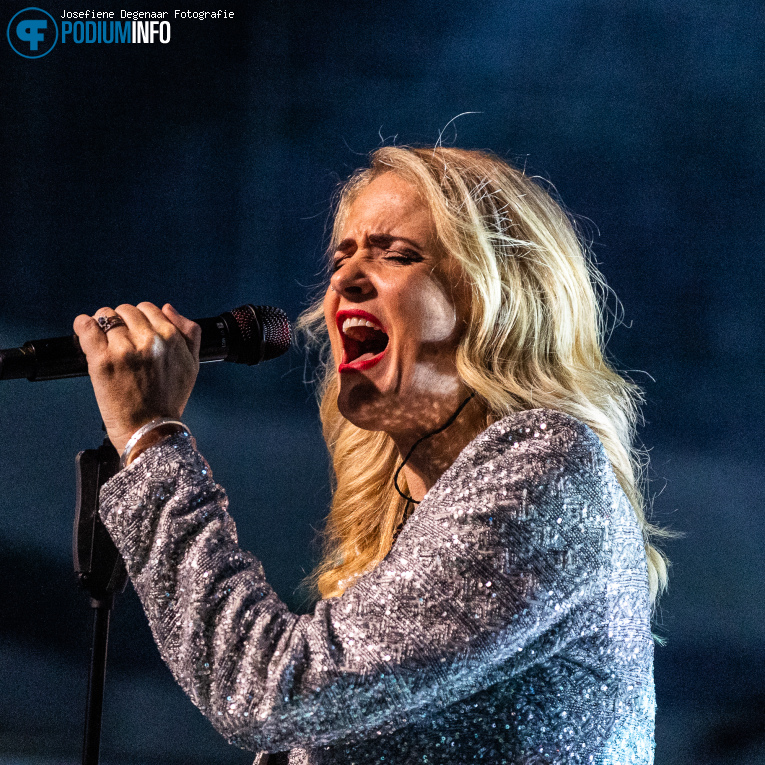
x: 356, y: 321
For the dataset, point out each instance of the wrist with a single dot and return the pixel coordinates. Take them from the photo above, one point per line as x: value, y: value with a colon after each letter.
x: 150, y: 434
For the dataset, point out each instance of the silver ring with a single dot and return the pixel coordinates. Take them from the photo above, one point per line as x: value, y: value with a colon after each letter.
x: 110, y: 322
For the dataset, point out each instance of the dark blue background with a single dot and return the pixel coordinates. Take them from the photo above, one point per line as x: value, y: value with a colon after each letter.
x: 200, y: 172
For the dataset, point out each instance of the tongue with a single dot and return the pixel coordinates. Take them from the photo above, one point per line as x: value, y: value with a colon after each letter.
x: 365, y: 343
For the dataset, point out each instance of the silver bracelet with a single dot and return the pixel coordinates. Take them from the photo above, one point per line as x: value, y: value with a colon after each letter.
x: 142, y: 431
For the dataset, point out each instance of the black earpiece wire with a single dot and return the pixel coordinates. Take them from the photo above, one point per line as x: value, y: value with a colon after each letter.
x: 418, y: 442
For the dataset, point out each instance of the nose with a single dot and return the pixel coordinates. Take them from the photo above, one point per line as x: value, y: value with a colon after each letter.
x: 351, y: 280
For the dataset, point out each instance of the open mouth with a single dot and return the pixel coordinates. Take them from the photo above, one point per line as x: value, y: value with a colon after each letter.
x: 364, y: 339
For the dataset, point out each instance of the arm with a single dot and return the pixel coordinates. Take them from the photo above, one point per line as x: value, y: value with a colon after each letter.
x: 503, y: 549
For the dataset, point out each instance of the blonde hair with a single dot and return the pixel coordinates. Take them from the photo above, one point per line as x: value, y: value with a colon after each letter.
x: 534, y: 338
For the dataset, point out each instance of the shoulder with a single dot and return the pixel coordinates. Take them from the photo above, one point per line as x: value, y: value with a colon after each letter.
x: 535, y: 490
x: 544, y: 439
x: 538, y: 429
x: 531, y: 456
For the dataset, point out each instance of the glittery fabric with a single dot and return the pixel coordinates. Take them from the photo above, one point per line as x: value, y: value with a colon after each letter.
x: 508, y: 624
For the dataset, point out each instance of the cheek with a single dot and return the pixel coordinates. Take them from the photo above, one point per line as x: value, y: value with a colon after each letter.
x: 330, y: 309
x: 434, y: 313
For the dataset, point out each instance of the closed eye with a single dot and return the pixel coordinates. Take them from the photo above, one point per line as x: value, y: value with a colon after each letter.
x: 338, y: 262
x: 400, y: 256
x: 403, y: 256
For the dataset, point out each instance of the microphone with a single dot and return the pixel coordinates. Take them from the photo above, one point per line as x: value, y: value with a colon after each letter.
x: 247, y: 335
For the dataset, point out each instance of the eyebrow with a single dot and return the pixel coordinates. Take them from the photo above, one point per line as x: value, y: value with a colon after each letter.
x: 378, y: 240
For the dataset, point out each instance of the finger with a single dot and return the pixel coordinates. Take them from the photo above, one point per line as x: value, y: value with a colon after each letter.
x: 138, y: 325
x: 103, y: 313
x: 189, y: 329
x: 92, y: 337
x: 159, y: 322
x: 122, y: 332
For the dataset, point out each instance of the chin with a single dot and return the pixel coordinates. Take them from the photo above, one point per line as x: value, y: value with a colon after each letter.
x: 366, y: 407
x: 362, y: 404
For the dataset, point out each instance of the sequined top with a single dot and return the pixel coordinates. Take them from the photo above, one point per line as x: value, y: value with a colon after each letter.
x: 508, y: 624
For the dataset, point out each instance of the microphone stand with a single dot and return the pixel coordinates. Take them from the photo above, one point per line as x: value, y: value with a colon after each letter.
x: 101, y: 573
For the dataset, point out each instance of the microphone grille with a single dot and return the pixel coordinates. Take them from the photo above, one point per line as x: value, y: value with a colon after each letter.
x: 277, y: 331
x: 265, y: 333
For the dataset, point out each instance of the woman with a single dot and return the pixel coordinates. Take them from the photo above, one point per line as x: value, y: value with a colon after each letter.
x: 487, y: 584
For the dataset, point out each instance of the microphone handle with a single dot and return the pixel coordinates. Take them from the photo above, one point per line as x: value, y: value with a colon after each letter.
x: 56, y: 358
x: 51, y: 359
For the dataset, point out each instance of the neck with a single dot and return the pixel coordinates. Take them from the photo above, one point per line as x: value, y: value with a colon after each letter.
x: 435, y: 454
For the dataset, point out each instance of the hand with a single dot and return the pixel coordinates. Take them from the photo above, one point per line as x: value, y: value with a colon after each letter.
x: 143, y: 370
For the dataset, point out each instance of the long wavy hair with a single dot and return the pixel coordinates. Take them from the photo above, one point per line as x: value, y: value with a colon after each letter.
x: 534, y: 338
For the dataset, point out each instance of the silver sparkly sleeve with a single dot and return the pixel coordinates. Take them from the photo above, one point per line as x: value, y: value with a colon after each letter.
x: 505, y: 563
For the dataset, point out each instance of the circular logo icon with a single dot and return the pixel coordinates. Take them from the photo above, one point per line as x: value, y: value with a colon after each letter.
x: 32, y: 33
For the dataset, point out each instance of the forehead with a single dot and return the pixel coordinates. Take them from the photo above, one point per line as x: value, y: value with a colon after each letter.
x: 389, y: 205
